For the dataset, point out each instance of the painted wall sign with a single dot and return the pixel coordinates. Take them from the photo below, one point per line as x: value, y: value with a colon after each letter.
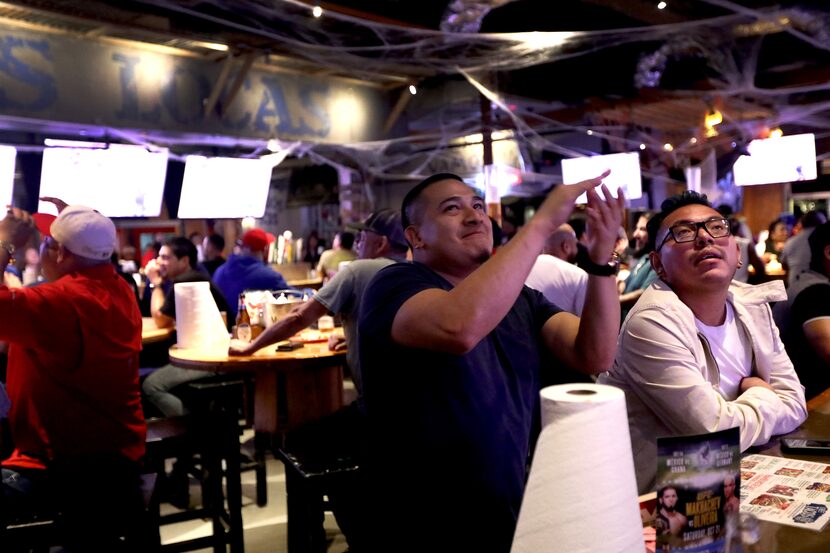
x: 61, y: 78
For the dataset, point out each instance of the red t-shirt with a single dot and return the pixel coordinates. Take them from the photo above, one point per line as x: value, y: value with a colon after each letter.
x: 73, y: 368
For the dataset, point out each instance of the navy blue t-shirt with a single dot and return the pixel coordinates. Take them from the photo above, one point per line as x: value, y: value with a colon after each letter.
x: 811, y: 303
x: 449, y: 434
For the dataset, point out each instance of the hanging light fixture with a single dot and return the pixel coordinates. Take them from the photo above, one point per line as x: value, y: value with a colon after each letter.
x: 713, y: 118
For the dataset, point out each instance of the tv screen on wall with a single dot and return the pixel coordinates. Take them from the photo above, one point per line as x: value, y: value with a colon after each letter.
x: 119, y: 180
x: 8, y: 155
x: 224, y: 188
x: 625, y: 173
x: 773, y: 160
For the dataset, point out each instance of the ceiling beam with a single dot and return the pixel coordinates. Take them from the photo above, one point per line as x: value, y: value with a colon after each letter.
x: 210, y: 103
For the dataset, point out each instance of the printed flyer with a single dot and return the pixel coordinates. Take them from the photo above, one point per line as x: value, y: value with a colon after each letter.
x: 786, y: 491
x: 698, y: 480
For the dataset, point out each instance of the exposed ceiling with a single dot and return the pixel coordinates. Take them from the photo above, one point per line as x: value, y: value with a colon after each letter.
x: 627, y: 71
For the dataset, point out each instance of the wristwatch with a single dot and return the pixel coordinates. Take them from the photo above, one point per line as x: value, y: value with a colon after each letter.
x: 584, y: 261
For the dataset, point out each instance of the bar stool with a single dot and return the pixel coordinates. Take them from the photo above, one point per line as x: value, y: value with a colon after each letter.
x: 43, y: 526
x: 251, y: 458
x: 212, y: 432
x: 320, y: 459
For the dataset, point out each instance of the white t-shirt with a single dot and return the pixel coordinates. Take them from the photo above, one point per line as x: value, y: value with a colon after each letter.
x: 560, y: 282
x: 731, y: 352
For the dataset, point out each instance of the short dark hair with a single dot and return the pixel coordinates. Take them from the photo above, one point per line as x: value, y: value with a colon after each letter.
x: 346, y: 240
x: 217, y: 241
x: 669, y: 206
x: 813, y: 218
x: 416, y: 190
x: 819, y: 239
x: 578, y: 224
x: 779, y: 221
x: 183, y: 247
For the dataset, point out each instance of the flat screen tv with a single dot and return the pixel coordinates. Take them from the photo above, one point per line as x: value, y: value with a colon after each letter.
x: 625, y: 173
x: 119, y: 180
x: 773, y: 160
x: 224, y: 188
x: 7, y: 159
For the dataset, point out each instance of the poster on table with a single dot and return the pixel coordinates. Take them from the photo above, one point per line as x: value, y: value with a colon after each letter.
x: 698, y: 480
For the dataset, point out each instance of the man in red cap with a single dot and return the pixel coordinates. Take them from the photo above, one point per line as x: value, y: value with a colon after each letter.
x: 76, y: 417
x: 247, y: 270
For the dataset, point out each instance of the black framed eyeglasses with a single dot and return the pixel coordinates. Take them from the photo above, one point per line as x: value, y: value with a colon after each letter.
x: 717, y: 227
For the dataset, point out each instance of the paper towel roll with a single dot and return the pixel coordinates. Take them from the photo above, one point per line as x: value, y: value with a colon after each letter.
x: 199, y: 324
x: 581, y: 495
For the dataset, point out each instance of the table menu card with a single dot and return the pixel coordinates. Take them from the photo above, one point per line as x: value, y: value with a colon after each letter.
x: 786, y: 491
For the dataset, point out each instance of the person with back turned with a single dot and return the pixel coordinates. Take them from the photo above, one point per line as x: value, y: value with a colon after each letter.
x: 451, y: 349
x: 76, y: 417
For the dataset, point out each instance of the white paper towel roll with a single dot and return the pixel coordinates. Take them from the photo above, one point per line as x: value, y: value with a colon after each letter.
x: 198, y: 322
x: 581, y: 495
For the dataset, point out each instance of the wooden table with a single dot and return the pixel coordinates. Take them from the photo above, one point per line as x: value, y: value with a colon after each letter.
x: 314, y: 283
x: 151, y: 334
x: 789, y: 539
x: 291, y: 387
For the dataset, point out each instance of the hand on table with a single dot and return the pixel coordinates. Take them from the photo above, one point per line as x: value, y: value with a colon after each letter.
x: 238, y: 348
x: 337, y: 342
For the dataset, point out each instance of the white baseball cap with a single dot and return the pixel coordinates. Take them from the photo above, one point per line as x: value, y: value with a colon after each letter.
x: 82, y: 230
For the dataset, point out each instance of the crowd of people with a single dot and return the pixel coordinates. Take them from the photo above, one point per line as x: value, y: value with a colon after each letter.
x: 450, y: 335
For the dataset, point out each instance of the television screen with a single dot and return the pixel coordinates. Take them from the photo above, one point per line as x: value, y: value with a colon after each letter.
x: 119, y: 180
x: 625, y: 173
x: 783, y: 159
x: 224, y: 188
x: 7, y: 158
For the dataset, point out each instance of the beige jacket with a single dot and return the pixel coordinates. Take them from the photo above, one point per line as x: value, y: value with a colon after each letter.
x: 671, y: 380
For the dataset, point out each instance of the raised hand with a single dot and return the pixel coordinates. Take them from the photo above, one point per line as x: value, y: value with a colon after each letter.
x: 60, y: 204
x: 604, y: 221
x: 559, y: 204
x: 17, y: 227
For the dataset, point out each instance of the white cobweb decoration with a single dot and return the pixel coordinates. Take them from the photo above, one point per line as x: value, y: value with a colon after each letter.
x: 377, y: 51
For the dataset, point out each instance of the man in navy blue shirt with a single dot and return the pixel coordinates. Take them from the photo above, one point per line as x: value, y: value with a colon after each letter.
x: 452, y: 346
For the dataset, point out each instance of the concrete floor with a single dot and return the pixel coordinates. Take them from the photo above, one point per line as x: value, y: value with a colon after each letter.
x: 265, y: 527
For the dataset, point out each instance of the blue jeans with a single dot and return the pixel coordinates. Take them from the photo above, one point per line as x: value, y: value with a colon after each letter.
x: 157, y: 386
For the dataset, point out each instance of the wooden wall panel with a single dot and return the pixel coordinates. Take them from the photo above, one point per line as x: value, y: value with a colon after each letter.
x: 763, y: 204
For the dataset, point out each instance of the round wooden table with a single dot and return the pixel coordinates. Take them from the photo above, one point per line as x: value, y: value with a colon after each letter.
x: 291, y: 387
x: 151, y: 334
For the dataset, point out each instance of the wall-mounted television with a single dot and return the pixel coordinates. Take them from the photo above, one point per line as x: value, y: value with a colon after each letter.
x: 224, y: 187
x: 119, y: 180
x: 8, y: 155
x: 772, y: 160
x: 625, y: 173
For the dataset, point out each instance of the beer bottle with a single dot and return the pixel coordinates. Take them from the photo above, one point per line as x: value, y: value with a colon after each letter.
x: 259, y: 325
x: 243, y: 321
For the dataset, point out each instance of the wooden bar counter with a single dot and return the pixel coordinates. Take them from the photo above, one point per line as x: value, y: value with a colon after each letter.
x: 292, y: 387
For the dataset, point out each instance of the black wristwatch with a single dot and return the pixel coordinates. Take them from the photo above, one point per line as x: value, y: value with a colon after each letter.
x: 584, y: 261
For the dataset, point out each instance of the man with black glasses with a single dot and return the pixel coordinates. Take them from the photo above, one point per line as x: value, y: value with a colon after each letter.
x: 699, y: 352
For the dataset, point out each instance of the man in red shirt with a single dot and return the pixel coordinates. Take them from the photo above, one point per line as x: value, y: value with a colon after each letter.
x: 72, y: 373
